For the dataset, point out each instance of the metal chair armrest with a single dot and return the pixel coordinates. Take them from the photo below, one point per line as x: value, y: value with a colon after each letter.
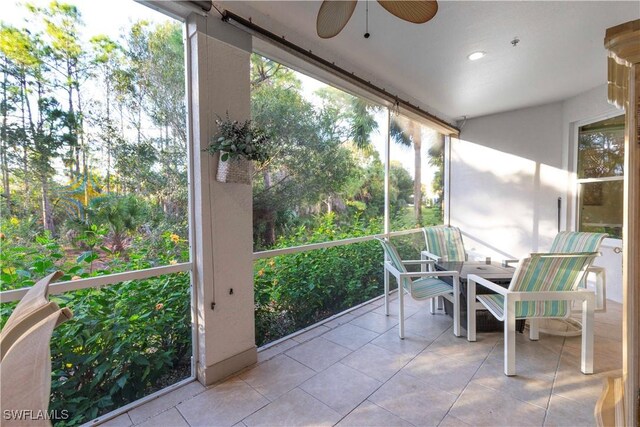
x: 487, y: 284
x: 429, y: 255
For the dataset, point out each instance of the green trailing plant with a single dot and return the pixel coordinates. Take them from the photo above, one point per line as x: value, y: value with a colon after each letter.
x: 240, y: 140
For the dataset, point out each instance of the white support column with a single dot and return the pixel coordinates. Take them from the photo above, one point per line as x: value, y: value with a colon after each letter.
x: 218, y: 65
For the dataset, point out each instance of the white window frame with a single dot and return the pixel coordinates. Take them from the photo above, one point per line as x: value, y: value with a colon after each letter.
x: 576, y: 183
x: 179, y: 12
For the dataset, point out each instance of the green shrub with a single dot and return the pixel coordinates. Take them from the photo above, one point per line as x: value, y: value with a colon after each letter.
x: 125, y: 341
x: 297, y: 290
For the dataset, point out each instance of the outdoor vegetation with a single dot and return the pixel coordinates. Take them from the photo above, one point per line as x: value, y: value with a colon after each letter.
x: 93, y: 152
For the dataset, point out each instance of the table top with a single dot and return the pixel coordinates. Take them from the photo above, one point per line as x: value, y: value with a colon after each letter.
x: 491, y: 270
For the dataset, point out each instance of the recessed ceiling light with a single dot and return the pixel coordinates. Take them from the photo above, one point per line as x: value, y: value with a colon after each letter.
x: 476, y: 55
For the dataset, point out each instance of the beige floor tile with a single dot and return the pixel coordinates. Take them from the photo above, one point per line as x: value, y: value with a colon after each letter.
x: 603, y: 360
x: 411, y: 345
x: 527, y: 386
x: 447, y: 343
x: 340, y: 320
x: 223, y: 405
x: 429, y: 326
x: 375, y: 322
x: 362, y: 310
x: 266, y: 354
x: 350, y: 336
x: 318, y: 354
x: 568, y: 413
x: 311, y: 333
x: 165, y: 402
x: 572, y: 384
x: 414, y: 400
x: 277, y: 376
x: 442, y: 371
x: 119, y: 421
x: 529, y: 356
x: 296, y: 408
x: 341, y: 387
x: 451, y: 421
x: 394, y: 307
x: 170, y: 418
x: 376, y: 362
x: 609, y: 331
x: 482, y: 406
x: 369, y: 414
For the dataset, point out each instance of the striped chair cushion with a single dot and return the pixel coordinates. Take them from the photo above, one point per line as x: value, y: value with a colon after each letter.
x: 392, y: 255
x: 544, y: 273
x: 427, y: 287
x: 572, y: 241
x: 445, y: 241
x: 525, y: 309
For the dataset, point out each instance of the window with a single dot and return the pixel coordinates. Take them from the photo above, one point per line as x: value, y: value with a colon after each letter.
x: 326, y: 183
x: 94, y: 182
x: 601, y: 176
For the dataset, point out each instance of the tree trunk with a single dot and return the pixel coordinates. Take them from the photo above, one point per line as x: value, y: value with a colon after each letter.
x: 5, y: 143
x: 47, y: 210
x: 269, y: 216
x: 25, y: 149
x: 417, y: 182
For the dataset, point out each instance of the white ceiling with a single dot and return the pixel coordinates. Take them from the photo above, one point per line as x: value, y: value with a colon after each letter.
x: 560, y: 53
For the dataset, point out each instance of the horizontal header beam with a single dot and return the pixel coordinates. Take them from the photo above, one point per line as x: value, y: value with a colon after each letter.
x: 440, y: 124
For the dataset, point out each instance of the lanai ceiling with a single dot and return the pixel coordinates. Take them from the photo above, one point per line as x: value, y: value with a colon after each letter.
x: 560, y: 53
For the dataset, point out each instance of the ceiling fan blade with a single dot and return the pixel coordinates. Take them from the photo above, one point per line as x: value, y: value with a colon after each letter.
x: 416, y: 11
x: 333, y: 16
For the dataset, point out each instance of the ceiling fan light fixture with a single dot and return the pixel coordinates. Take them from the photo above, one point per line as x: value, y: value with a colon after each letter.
x: 476, y: 55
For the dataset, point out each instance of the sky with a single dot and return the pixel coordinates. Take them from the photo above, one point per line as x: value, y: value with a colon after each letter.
x: 99, y: 16
x: 109, y: 17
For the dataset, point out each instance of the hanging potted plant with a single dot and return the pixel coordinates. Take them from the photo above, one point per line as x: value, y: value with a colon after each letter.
x: 239, y: 144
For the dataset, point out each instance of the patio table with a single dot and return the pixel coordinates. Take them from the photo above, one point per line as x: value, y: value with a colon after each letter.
x: 489, y: 270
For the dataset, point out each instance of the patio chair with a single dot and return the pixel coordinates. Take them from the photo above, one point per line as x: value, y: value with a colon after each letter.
x: 25, y: 373
x: 419, y: 285
x: 541, y: 288
x: 25, y: 363
x: 442, y: 243
x: 31, y: 309
x: 579, y: 241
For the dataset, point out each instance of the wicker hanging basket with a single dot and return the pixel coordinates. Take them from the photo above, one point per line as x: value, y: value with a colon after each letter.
x: 237, y: 170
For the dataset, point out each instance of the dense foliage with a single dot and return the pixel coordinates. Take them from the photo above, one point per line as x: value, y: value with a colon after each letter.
x: 124, y: 341
x: 94, y: 181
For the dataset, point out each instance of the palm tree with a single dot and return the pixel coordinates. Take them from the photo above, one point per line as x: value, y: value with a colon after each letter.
x: 407, y: 132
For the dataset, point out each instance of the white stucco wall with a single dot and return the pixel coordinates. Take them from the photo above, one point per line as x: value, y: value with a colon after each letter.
x: 507, y: 172
x: 506, y: 176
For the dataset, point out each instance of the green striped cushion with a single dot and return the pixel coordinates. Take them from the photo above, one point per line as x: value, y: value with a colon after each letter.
x: 446, y: 242
x: 526, y: 309
x: 548, y: 272
x: 427, y: 287
x: 392, y: 255
x: 571, y: 241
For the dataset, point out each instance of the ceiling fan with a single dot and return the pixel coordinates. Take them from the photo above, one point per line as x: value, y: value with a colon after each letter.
x: 334, y: 14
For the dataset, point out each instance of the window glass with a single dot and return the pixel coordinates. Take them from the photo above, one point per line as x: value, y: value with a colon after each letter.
x: 601, y: 207
x: 94, y: 181
x: 416, y: 174
x: 601, y: 149
x: 600, y: 176
x: 325, y: 179
x: 93, y: 134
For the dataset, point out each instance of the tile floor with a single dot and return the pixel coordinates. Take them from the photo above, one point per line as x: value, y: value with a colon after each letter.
x: 355, y: 371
